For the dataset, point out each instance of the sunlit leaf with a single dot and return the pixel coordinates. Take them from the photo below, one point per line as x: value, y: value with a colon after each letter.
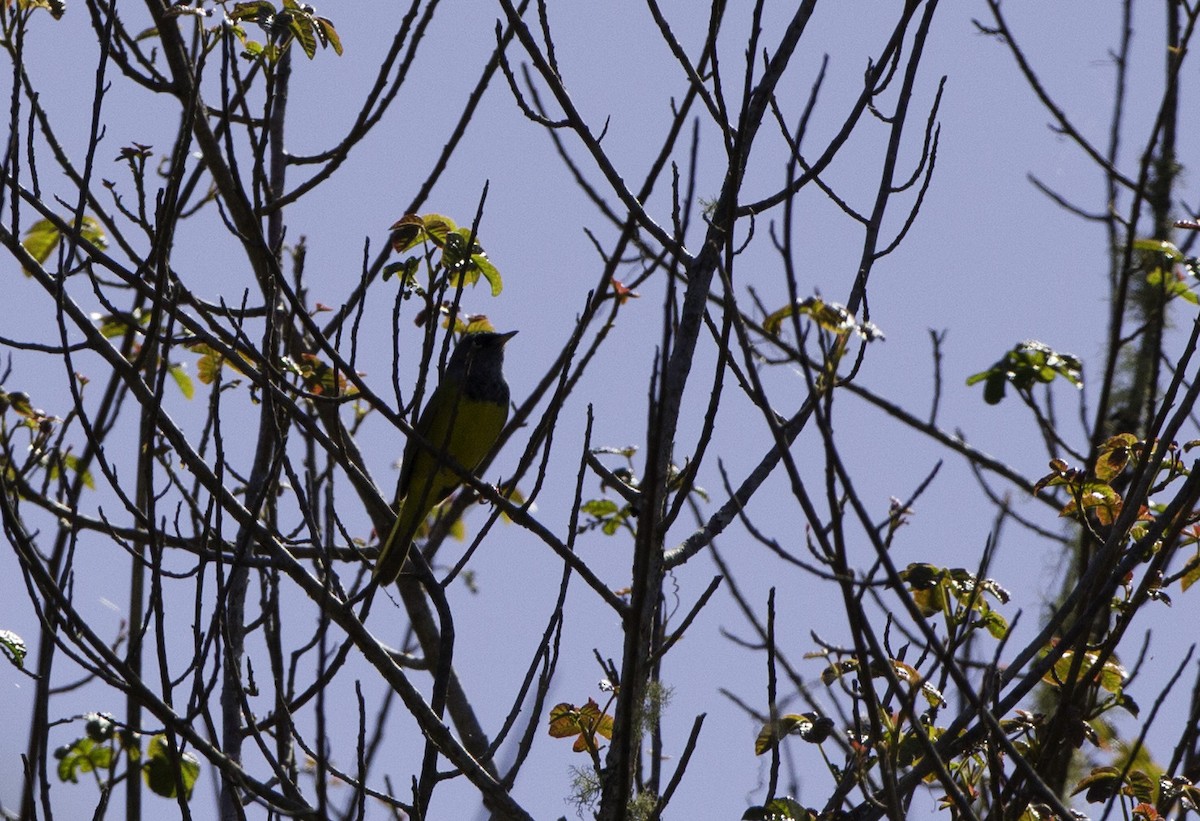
x: 1172, y: 284
x: 14, y: 648
x: 837, y: 670
x: 412, y: 230
x: 82, y: 756
x: 779, y: 809
x: 41, y: 239
x: 994, y: 623
x: 1111, y: 676
x: 57, y: 8
x: 210, y: 362
x: 1113, y: 455
x: 1159, y: 246
x: 1191, y: 573
x: 256, y: 11
x: 477, y: 322
x: 586, y: 722
x: 328, y: 35
x: 1097, y: 498
x: 488, y: 271
x: 71, y: 462
x: 179, y: 373
x: 812, y: 727
x: 301, y: 27
x: 1102, y: 783
x: 829, y: 316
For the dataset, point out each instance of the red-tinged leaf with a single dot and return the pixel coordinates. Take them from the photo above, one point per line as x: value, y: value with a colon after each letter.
x: 412, y: 230
x: 1191, y: 573
x: 563, y: 720
x: 623, y: 292
x: 585, y: 722
x: 1114, y: 455
x: 1100, y: 784
x: 1145, y: 812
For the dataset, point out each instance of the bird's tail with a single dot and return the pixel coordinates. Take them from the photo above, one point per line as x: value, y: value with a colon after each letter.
x: 395, y: 548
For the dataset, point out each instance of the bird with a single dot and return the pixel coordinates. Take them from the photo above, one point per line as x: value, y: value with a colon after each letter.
x: 459, y: 426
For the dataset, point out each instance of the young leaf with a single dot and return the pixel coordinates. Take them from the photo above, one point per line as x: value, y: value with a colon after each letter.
x: 164, y: 773
x: 585, y: 722
x: 82, y: 756
x: 179, y: 373
x: 812, y: 727
x: 13, y: 647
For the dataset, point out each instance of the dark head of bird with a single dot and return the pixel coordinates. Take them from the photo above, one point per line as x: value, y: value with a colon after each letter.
x: 478, y: 363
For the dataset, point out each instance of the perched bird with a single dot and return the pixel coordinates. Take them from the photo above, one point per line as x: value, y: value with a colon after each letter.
x: 459, y: 425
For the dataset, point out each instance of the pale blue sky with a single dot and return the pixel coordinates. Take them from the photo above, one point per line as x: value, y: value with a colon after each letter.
x: 990, y: 260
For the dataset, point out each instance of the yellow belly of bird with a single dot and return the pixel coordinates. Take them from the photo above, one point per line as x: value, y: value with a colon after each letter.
x: 474, y: 429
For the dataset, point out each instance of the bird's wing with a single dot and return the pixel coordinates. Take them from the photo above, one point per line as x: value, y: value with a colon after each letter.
x: 414, y: 450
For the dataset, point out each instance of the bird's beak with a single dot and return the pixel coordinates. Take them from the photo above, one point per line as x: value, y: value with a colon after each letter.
x: 505, y: 337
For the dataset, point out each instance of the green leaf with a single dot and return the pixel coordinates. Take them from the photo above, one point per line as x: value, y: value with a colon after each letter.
x: 90, y: 230
x: 118, y: 324
x: 456, y: 259
x: 606, y: 513
x: 1104, y: 782
x: 256, y: 11
x: 301, y: 28
x: 1172, y: 285
x: 41, y: 239
x: 1158, y: 246
x: 600, y: 507
x: 829, y: 316
x: 1113, y: 455
x: 1028, y: 363
x: 779, y: 809
x: 406, y: 269
x: 812, y: 727
x: 488, y: 271
x: 994, y: 623
x: 1111, y: 677
x: 71, y: 462
x: 83, y: 756
x: 13, y: 647
x: 412, y: 230
x: 100, y: 727
x: 438, y: 228
x: 329, y: 35
x: 1097, y: 498
x: 1126, y: 702
x: 164, y: 772
x: 21, y: 404
x: 179, y: 373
